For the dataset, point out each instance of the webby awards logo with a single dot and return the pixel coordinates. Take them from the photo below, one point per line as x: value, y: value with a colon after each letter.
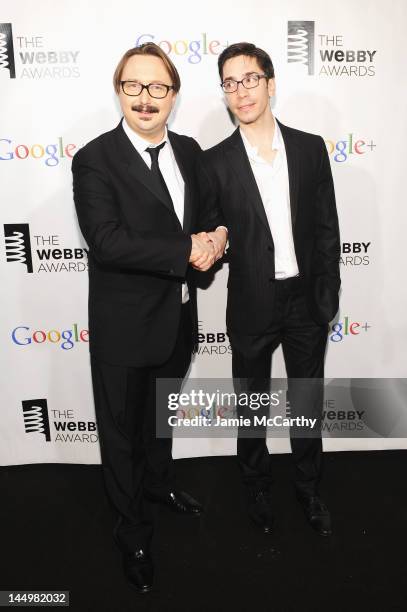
x: 41, y: 252
x: 212, y: 342
x: 327, y: 54
x: 29, y: 56
x: 56, y: 425
x: 36, y: 419
x: 7, y: 62
x: 356, y: 254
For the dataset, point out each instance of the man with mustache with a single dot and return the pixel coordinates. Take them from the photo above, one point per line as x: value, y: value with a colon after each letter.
x: 275, y: 190
x: 136, y: 199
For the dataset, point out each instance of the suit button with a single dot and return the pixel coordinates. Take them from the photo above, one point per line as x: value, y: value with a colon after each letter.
x: 177, y: 289
x: 269, y: 248
x: 171, y: 271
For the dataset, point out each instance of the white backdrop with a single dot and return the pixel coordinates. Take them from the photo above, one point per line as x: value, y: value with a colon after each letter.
x: 340, y: 72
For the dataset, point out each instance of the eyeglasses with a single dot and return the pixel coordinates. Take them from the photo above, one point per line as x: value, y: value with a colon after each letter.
x: 155, y: 90
x: 249, y: 82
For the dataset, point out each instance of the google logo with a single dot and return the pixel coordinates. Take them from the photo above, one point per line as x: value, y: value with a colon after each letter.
x: 51, y: 154
x: 195, y: 49
x: 67, y: 338
x: 342, y: 149
x: 347, y: 327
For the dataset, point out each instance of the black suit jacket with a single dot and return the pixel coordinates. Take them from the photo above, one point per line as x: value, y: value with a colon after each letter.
x: 138, y: 251
x: 228, y: 182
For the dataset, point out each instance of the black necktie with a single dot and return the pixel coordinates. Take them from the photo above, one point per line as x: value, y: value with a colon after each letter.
x: 155, y: 169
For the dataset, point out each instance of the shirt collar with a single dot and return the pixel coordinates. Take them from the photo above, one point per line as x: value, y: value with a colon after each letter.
x: 139, y: 143
x: 277, y: 143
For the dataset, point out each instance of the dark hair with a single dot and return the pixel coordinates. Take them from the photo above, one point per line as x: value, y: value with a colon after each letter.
x: 245, y: 48
x: 148, y: 48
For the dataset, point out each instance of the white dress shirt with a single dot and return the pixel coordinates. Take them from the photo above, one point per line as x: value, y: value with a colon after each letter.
x: 273, y: 184
x: 169, y: 170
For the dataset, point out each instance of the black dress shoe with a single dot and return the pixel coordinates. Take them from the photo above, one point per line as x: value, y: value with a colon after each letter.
x: 178, y: 501
x: 260, y: 510
x: 137, y: 565
x: 316, y: 513
x: 139, y: 570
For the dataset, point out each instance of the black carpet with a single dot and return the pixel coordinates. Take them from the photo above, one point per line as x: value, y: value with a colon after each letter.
x: 56, y: 534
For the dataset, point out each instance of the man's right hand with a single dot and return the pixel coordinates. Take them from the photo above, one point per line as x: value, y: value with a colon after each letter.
x: 202, y: 254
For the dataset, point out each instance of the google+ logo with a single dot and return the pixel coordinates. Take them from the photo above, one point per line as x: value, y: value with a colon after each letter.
x: 342, y: 149
x: 195, y: 49
x: 67, y: 338
x: 51, y: 154
x: 338, y: 331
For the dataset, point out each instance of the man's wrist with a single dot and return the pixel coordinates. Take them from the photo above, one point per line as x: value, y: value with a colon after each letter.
x: 227, y: 235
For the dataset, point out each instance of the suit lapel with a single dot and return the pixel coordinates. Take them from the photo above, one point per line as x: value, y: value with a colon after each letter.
x: 240, y: 163
x: 184, y: 166
x: 293, y: 163
x: 137, y: 168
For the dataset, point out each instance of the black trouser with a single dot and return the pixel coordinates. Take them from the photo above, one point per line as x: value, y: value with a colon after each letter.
x: 303, y: 343
x: 133, y: 458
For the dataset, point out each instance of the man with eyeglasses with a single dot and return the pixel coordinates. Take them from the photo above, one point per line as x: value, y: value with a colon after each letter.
x: 135, y: 193
x: 274, y: 187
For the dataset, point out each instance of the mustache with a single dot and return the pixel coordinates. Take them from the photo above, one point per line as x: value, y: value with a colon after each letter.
x: 144, y: 108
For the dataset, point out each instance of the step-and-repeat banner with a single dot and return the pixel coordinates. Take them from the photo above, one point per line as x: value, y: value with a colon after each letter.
x: 340, y: 72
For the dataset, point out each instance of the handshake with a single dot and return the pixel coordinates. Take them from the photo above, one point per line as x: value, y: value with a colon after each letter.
x: 207, y: 247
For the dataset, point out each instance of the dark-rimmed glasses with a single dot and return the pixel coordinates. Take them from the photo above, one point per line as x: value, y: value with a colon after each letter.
x: 249, y: 82
x: 155, y: 90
